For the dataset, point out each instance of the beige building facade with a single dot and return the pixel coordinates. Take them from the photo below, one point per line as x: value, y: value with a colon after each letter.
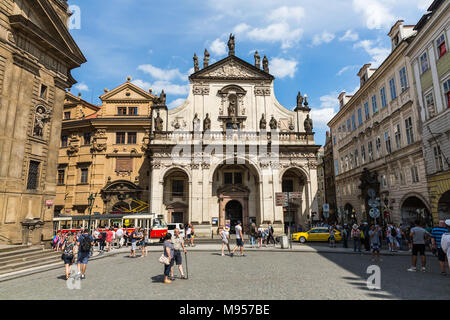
x: 103, y: 153
x: 37, y: 54
x: 377, y: 147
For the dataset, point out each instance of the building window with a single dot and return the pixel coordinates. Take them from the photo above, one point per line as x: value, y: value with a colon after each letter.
x: 122, y: 111
x: 374, y: 104
x: 370, y: 150
x: 356, y: 158
x: 64, y: 141
x: 387, y: 140
x: 363, y: 154
x: 447, y: 92
x: 414, y: 174
x: 360, y: 119
x: 393, y: 89
x: 120, y: 138
x: 177, y: 188
x: 353, y: 122
x: 402, y: 178
x: 67, y: 115
x: 43, y: 93
x: 61, y: 176
x: 383, y: 181
x: 378, y: 146
x: 366, y: 110
x: 233, y: 177
x: 429, y: 104
x: 409, y: 131
x: 33, y: 175
x: 336, y: 167
x: 132, y: 111
x: 334, y: 140
x: 398, y: 136
x: 87, y: 138
x: 287, y: 186
x: 131, y: 137
x: 403, y: 79
x: 84, y: 176
x: 438, y: 160
x: 440, y: 43
x: 383, y: 97
x: 424, y: 62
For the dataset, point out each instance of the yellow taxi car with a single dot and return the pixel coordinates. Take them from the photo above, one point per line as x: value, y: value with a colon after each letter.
x: 316, y: 234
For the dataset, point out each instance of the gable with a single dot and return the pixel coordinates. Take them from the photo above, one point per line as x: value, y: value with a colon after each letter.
x: 231, y: 68
x: 127, y: 91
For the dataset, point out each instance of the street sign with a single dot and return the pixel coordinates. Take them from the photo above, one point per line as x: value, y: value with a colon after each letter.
x: 281, y: 199
x: 49, y: 203
x: 374, y: 203
x: 326, y: 214
x: 374, y: 213
x: 295, y: 195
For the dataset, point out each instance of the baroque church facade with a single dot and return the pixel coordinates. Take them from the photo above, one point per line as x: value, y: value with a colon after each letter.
x: 225, y: 153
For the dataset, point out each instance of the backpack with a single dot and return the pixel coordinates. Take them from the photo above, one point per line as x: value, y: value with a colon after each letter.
x: 85, y: 244
x: 394, y: 232
x: 68, y: 249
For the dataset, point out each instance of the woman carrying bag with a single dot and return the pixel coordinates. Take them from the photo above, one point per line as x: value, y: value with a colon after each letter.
x: 68, y: 249
x: 167, y: 257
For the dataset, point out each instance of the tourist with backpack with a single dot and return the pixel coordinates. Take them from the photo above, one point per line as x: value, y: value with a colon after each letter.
x: 68, y: 253
x: 356, y: 236
x: 85, y: 242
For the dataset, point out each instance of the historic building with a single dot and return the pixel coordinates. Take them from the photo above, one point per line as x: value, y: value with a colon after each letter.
x: 431, y: 69
x: 329, y: 174
x: 103, y: 153
x: 377, y: 142
x: 37, y: 54
x: 321, y: 183
x: 224, y: 154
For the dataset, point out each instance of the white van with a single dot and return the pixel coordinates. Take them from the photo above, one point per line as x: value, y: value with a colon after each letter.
x: 172, y: 226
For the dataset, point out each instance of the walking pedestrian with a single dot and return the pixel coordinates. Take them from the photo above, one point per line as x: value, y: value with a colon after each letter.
x: 398, y: 237
x: 178, y: 245
x: 260, y: 235
x: 68, y: 253
x: 239, y: 240
x: 168, y: 252
x: 84, y: 243
x: 119, y: 237
x: 102, y: 240
x: 225, y: 235
x: 332, y: 237
x: 253, y: 235
x: 375, y: 241
x: 436, y: 238
x: 109, y: 239
x: 365, y: 236
x: 188, y: 233
x: 445, y: 241
x: 144, y: 243
x: 270, y: 237
x: 356, y: 236
x: 345, y: 236
x: 126, y: 237
x: 418, y: 236
x: 134, y: 239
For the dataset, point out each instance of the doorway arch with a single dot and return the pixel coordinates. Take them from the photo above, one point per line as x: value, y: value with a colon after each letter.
x: 413, y: 209
x: 444, y: 206
x: 233, y: 213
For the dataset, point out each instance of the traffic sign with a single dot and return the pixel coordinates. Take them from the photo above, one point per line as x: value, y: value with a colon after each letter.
x: 326, y: 207
x: 374, y: 213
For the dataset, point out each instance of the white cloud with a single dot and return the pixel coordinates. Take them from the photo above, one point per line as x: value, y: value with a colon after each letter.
x: 241, y: 28
x: 349, y: 36
x: 375, y: 12
x: 158, y: 86
x: 82, y: 86
x: 344, y: 69
x: 424, y: 4
x: 321, y: 117
x: 293, y: 14
x: 282, y: 68
x: 162, y: 74
x: 277, y: 32
x: 378, y: 54
x: 176, y: 103
x: 324, y: 37
x: 218, y: 47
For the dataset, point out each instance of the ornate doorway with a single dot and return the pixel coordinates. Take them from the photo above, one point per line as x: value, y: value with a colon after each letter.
x: 233, y: 213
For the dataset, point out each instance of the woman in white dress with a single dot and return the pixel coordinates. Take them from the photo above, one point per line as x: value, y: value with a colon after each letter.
x: 225, y: 235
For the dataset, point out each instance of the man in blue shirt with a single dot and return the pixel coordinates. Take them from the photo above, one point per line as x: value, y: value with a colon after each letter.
x: 85, y: 242
x: 436, y: 236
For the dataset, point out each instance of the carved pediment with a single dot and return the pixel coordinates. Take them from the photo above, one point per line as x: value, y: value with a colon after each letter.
x: 127, y: 91
x: 232, y: 68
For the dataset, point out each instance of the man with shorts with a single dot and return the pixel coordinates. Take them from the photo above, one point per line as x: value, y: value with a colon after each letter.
x: 418, y: 235
x: 374, y: 234
x: 178, y: 245
x: 134, y: 239
x: 84, y: 242
x: 436, y: 237
x: 239, y: 240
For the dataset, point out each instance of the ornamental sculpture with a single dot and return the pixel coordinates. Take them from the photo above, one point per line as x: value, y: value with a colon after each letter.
x: 308, y: 124
x: 207, y: 123
x: 232, y: 108
x: 206, y: 59
x: 196, y: 65
x: 41, y: 116
x: 266, y: 64
x: 257, y: 60
x: 273, y: 123
x: 263, y: 123
x: 158, y: 123
x: 231, y: 45
x: 299, y: 100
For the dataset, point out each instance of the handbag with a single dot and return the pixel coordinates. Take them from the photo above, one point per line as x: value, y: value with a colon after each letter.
x: 164, y: 260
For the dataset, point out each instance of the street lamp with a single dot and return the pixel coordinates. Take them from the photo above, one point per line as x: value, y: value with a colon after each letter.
x: 90, y: 203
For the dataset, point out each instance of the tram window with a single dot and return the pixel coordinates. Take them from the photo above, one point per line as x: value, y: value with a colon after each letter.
x: 158, y: 223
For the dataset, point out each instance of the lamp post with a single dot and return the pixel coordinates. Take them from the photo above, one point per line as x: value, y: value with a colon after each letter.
x: 90, y: 203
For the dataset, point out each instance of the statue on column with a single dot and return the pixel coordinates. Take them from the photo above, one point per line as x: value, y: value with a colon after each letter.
x: 299, y: 100
x: 207, y: 123
x: 162, y: 99
x: 158, y: 123
x: 263, y: 122
x: 257, y: 60
x: 196, y: 65
x: 308, y: 124
x: 206, y: 59
x: 196, y: 123
x: 231, y: 46
x: 273, y: 123
x: 266, y: 64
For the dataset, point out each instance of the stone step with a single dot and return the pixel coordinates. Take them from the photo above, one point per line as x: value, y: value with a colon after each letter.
x: 21, y: 252
x: 29, y: 264
x: 28, y: 257
x: 9, y: 248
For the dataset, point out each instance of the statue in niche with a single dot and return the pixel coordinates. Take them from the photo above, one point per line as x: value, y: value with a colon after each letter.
x: 299, y: 100
x: 231, y: 45
x: 207, y: 123
x: 41, y: 116
x: 206, y: 59
x: 257, y: 60
x: 273, y: 123
x: 263, y: 123
x: 232, y: 108
x: 196, y: 65
x: 158, y: 123
x: 196, y: 123
x: 308, y: 124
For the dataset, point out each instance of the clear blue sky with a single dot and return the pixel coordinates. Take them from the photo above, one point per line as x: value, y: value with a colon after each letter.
x: 316, y: 47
